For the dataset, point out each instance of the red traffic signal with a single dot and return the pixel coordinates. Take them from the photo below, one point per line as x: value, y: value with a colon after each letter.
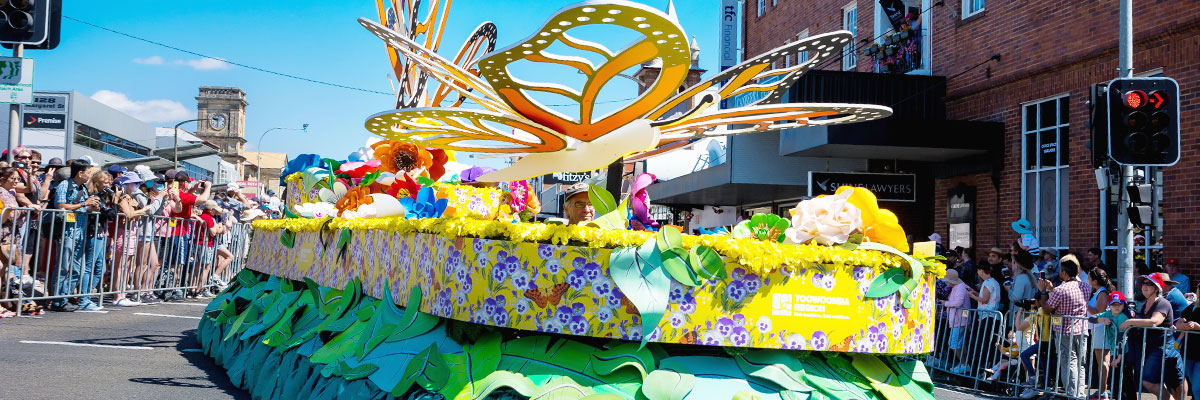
x: 1135, y: 99
x: 1156, y: 99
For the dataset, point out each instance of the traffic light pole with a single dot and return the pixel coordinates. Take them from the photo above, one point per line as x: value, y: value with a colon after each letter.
x: 1125, y: 266
x: 14, y: 114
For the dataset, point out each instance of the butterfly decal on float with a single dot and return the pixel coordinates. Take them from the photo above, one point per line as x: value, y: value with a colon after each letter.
x: 510, y: 121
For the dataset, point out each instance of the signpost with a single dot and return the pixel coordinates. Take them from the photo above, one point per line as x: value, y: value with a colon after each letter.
x: 887, y: 187
x: 16, y: 80
x: 565, y: 178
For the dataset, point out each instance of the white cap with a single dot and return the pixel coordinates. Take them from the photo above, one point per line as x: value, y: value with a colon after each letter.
x: 88, y: 160
x: 144, y: 172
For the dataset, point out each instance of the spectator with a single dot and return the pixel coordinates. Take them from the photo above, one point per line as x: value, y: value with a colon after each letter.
x: 942, y: 288
x: 130, y: 201
x: 1027, y: 241
x: 116, y: 171
x: 966, y: 265
x: 1048, y: 265
x: 1173, y: 295
x: 1069, y: 299
x: 937, y: 242
x: 72, y: 195
x: 182, y: 214
x: 1162, y: 359
x: 1189, y: 322
x: 1116, y: 314
x: 1095, y: 259
x: 273, y: 202
x: 1101, y: 288
x: 1022, y: 286
x: 988, y: 320
x: 9, y: 219
x: 1042, y: 348
x: 206, y: 240
x: 150, y: 201
x: 956, y: 305
x: 98, y: 235
x: 1185, y: 283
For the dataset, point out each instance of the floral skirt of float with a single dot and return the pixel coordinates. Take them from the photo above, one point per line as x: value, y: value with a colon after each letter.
x: 412, y: 312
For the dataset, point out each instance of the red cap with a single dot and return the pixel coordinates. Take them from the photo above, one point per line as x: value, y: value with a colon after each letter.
x: 1116, y: 297
x: 1157, y: 280
x: 1172, y: 261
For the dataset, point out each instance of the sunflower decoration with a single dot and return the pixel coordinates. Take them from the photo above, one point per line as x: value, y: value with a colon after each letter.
x: 355, y: 197
x: 399, y: 157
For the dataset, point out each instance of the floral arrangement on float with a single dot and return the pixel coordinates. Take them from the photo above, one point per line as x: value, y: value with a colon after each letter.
x: 399, y: 271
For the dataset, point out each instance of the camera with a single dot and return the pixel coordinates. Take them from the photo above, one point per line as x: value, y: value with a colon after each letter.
x: 20, y: 164
x: 1027, y: 304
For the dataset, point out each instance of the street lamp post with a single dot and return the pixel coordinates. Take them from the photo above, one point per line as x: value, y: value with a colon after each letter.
x: 258, y: 149
x: 176, y: 146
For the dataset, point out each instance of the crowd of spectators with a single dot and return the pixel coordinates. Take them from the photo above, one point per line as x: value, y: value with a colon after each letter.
x: 1064, y: 314
x: 70, y: 231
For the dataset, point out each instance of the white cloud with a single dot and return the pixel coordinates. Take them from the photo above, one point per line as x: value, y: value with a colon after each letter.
x: 150, y: 111
x: 152, y: 60
x: 205, y: 64
x: 199, y: 64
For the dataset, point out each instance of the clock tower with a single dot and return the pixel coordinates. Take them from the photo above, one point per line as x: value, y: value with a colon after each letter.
x: 222, y: 114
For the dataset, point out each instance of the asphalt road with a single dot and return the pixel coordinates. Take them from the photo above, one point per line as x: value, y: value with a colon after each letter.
x: 134, y: 353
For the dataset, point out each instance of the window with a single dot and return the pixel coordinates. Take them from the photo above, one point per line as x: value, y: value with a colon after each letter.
x: 802, y: 57
x: 762, y: 7
x: 1044, y: 170
x: 96, y: 139
x: 971, y: 7
x: 195, y: 172
x: 850, y: 23
x: 224, y: 175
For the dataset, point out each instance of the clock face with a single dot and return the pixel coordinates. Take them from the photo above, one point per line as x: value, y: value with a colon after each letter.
x: 217, y: 121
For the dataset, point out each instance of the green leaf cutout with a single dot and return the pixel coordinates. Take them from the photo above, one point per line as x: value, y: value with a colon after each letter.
x: 742, y: 230
x: 370, y: 178
x: 624, y: 355
x: 288, y: 238
x: 675, y: 262
x: 887, y: 283
x: 853, y: 241
x: 617, y: 219
x: 777, y: 367
x: 830, y: 381
x: 913, y: 376
x: 481, y: 359
x: 879, y: 376
x: 667, y: 385
x: 668, y: 238
x: 428, y: 369
x: 413, y: 322
x: 602, y: 200
x: 707, y: 263
x: 425, y: 181
x: 639, y: 274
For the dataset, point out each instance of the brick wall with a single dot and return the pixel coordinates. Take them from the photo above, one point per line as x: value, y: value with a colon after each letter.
x: 1047, y: 48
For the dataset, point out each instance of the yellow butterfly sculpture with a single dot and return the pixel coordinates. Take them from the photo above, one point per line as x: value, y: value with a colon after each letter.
x: 509, y: 121
x: 403, y: 16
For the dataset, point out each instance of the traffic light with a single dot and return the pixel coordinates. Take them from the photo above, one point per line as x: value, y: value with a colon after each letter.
x: 1097, y: 123
x: 28, y: 22
x: 1141, y: 214
x: 1143, y: 121
x: 53, y: 27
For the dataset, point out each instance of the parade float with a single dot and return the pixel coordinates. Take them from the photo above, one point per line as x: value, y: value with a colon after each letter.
x: 393, y: 277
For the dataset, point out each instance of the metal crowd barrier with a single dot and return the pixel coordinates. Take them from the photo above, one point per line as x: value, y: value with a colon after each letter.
x: 1146, y: 371
x: 966, y: 342
x: 52, y: 255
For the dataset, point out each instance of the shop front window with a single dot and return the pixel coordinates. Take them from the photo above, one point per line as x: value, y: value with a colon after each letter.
x: 1044, y: 168
x: 901, y: 37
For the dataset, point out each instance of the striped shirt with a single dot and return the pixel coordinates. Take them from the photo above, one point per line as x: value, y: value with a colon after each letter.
x: 1030, y: 244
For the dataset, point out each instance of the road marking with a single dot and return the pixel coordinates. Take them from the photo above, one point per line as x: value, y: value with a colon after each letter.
x: 188, y: 304
x: 166, y: 315
x: 107, y: 346
x: 93, y: 311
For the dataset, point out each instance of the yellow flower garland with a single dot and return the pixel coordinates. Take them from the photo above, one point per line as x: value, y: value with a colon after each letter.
x: 752, y: 254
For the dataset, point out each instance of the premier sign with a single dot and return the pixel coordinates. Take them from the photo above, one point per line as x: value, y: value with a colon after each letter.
x: 44, y: 121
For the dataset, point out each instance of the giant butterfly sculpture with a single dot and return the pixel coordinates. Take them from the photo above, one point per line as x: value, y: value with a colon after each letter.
x: 509, y: 120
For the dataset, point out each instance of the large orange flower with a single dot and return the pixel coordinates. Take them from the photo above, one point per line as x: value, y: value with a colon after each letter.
x: 397, y: 157
x: 354, y: 198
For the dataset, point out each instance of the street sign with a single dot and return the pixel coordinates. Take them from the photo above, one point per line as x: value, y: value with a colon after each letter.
x: 16, y: 80
x: 48, y: 103
x: 44, y: 121
x: 887, y: 187
x: 249, y: 184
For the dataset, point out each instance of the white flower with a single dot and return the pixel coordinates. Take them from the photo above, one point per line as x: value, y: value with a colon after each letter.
x: 829, y: 220
x: 363, y: 211
x: 319, y: 209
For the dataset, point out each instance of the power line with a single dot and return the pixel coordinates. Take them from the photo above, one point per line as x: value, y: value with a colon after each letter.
x: 286, y: 75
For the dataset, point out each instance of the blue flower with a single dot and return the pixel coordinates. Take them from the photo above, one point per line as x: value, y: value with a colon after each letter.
x: 676, y: 319
x: 576, y: 279
x: 522, y: 306
x: 602, y: 287
x: 546, y: 251
x: 604, y: 314
x: 739, y: 337
x: 500, y: 319
x: 552, y: 266
x: 591, y: 270
x: 736, y: 291
x: 427, y: 205
x: 752, y: 283
x: 521, y: 281
x: 725, y: 326
x: 564, y: 314
x: 578, y: 325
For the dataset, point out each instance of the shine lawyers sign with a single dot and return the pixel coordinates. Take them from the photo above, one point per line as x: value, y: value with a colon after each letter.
x: 887, y: 187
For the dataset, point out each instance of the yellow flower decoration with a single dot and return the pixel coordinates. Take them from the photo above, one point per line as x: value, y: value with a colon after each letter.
x: 878, y: 225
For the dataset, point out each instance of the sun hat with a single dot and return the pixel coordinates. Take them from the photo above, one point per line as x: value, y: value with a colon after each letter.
x: 55, y: 162
x: 211, y: 204
x: 997, y: 251
x: 251, y: 214
x: 935, y: 237
x: 1116, y: 297
x: 1156, y: 280
x: 1022, y: 226
x: 88, y: 160
x: 126, y: 179
x: 1166, y: 278
x: 952, y: 277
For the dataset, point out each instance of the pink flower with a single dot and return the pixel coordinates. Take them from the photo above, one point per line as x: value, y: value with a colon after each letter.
x: 359, y: 168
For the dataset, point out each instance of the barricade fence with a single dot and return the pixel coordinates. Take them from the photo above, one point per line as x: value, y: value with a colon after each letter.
x: 56, y: 256
x: 1029, y: 354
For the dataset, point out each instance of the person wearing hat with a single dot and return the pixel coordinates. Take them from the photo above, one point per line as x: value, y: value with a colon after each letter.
x: 206, y: 240
x: 1069, y: 299
x: 250, y: 215
x: 126, y: 245
x: 1172, y: 294
x: 183, y: 201
x: 234, y: 200
x: 1115, y: 313
x: 577, y: 207
x: 116, y: 170
x: 1162, y: 366
x: 273, y: 202
x: 1185, y: 283
x: 957, y: 300
x: 1027, y: 240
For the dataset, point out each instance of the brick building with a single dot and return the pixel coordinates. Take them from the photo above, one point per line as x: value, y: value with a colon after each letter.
x: 1025, y: 65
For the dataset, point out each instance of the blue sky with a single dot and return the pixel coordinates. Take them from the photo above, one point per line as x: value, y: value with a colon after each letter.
x: 317, y: 40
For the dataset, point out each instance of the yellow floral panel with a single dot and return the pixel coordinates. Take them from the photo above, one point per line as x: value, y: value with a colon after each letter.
x: 567, y: 290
